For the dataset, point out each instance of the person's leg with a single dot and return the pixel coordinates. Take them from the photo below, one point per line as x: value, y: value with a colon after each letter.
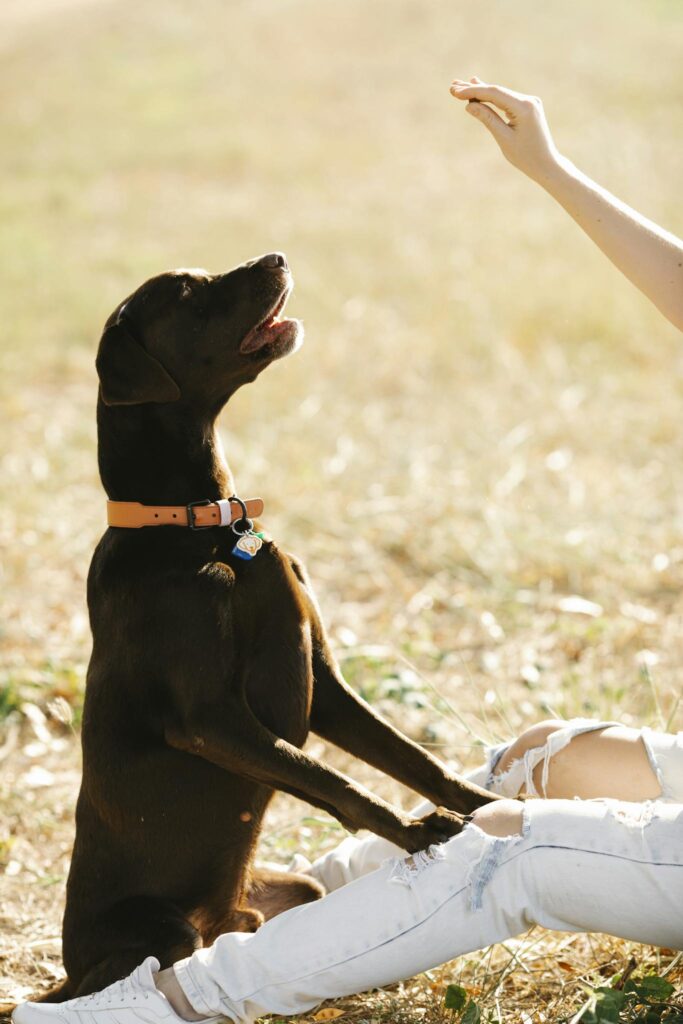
x: 358, y: 856
x: 496, y: 819
x: 578, y: 758
x: 577, y: 865
x: 556, y: 759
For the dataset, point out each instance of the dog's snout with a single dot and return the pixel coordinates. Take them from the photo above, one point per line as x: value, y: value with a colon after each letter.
x: 272, y: 260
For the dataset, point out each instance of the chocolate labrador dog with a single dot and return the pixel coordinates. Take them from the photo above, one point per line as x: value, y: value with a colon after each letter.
x: 210, y: 664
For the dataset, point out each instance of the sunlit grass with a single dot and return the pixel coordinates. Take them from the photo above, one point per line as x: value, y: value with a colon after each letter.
x: 482, y: 424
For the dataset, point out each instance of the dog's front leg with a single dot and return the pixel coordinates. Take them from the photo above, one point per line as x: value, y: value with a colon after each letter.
x: 341, y: 716
x: 250, y: 750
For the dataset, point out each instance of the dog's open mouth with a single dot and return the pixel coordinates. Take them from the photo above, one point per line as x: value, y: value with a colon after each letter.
x: 274, y: 336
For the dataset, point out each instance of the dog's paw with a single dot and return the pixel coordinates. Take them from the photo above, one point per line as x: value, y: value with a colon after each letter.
x: 435, y: 828
x: 247, y: 919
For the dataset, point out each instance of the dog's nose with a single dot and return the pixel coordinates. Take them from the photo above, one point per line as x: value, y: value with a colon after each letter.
x: 273, y: 260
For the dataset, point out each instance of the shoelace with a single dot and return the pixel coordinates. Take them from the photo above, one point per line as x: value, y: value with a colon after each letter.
x: 117, y: 990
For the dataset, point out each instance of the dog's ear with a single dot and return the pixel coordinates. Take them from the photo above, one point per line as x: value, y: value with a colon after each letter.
x: 128, y: 374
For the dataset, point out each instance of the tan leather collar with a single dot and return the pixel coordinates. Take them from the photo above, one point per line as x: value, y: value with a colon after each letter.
x: 196, y: 515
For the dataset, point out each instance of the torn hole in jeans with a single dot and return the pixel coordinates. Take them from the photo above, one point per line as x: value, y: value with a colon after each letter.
x: 518, y: 777
x: 633, y: 815
x: 483, y: 868
x: 406, y: 869
x: 647, y: 738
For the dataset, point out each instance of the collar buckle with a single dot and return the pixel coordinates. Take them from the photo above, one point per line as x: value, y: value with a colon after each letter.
x: 191, y: 521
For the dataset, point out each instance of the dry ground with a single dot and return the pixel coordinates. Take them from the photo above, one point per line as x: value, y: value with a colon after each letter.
x: 472, y: 368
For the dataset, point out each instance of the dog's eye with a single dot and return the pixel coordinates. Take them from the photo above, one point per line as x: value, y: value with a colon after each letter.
x: 186, y: 290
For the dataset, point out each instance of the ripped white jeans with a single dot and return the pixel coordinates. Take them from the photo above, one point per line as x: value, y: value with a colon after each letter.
x: 594, y: 865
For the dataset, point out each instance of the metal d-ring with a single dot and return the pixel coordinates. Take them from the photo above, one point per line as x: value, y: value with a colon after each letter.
x: 244, y: 524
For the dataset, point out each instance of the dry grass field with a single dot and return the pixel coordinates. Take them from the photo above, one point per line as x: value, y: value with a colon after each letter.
x: 478, y: 450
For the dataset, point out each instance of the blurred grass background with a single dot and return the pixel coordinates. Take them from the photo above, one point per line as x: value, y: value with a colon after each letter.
x: 476, y: 452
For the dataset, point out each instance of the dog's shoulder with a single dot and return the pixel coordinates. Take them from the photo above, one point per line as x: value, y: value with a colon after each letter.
x: 298, y: 568
x: 303, y: 585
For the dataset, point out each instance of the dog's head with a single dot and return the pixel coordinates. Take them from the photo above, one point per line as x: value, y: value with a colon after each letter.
x: 197, y: 337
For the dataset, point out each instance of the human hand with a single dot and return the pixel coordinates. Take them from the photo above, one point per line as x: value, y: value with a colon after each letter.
x: 524, y: 137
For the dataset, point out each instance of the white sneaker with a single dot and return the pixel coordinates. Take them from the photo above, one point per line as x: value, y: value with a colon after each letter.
x: 133, y: 1000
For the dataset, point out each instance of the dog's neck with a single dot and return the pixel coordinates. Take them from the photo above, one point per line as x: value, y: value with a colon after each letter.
x: 160, y: 455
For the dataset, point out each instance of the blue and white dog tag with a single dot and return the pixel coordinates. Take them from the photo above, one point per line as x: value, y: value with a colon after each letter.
x: 248, y: 543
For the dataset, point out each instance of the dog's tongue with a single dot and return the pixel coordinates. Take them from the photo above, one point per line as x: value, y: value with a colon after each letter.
x: 274, y: 340
x: 258, y: 337
x: 264, y: 334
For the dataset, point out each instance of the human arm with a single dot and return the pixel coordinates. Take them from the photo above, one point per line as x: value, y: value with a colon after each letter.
x: 650, y: 257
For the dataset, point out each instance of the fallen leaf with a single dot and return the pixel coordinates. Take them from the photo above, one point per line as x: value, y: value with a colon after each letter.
x: 38, y: 721
x: 638, y: 612
x: 579, y: 606
x: 37, y: 777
